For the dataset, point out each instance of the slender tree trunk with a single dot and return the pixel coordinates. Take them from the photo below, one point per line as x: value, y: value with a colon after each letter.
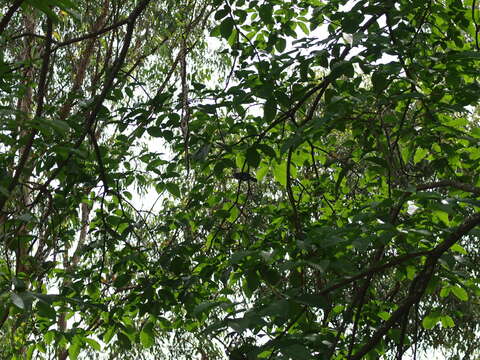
x: 25, y: 107
x: 78, y: 83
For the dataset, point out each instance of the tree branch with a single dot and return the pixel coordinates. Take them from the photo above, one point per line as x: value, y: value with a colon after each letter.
x: 42, y: 88
x: 419, y: 283
x: 92, y: 34
x: 291, y: 198
x: 101, y: 98
x: 6, y: 18
x: 452, y: 183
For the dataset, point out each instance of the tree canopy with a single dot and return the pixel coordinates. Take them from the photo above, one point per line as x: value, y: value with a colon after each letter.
x: 232, y: 179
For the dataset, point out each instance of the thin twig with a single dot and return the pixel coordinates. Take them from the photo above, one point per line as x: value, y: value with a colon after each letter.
x: 92, y: 34
x: 291, y: 198
x: 477, y: 26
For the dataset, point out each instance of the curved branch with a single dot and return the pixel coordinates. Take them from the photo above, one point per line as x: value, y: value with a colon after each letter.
x: 6, y: 18
x: 419, y: 284
x: 291, y: 198
x: 92, y: 34
x: 5, y: 316
x: 452, y: 183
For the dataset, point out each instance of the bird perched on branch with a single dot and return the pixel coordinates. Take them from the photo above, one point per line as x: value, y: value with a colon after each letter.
x: 244, y: 176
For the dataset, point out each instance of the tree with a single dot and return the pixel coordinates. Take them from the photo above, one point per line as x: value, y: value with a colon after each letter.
x: 358, y: 121
x: 67, y: 85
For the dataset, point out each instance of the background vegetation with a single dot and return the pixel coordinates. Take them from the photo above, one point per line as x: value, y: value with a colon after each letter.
x: 239, y: 179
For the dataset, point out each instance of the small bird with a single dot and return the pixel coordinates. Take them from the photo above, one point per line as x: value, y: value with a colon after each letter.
x: 244, y: 176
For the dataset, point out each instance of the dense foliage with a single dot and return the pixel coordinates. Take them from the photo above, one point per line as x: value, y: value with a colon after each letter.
x: 221, y: 179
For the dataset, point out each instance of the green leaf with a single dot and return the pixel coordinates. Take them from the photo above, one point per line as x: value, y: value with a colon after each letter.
x: 226, y: 27
x: 173, y: 189
x: 234, y: 212
x: 445, y: 291
x: 220, y: 14
x: 253, y: 157
x: 429, y: 322
x: 155, y: 131
x: 109, y: 334
x: 443, y: 216
x: 252, y: 282
x: 419, y: 155
x: 411, y: 272
x: 18, y: 301
x: 280, y: 44
x: 46, y: 311
x: 240, y: 160
x: 271, y: 276
x: 74, y: 350
x: 341, y: 176
x: 49, y: 337
x: 266, y: 13
x: 322, y: 58
x: 122, y: 280
x: 261, y: 172
x: 93, y: 344
x: 267, y: 150
x: 147, y: 337
x: 379, y: 81
x: 269, y: 110
x: 265, y: 91
x: 447, y: 321
x: 296, y: 352
x: 61, y: 127
x: 352, y: 21
x: 233, y: 37
x: 459, y: 249
x: 280, y: 173
x: 304, y: 28
x: 384, y: 315
x: 459, y: 292
x: 206, y: 306
x: 65, y: 4
x: 30, y: 351
x: 464, y: 55
x: 341, y: 68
